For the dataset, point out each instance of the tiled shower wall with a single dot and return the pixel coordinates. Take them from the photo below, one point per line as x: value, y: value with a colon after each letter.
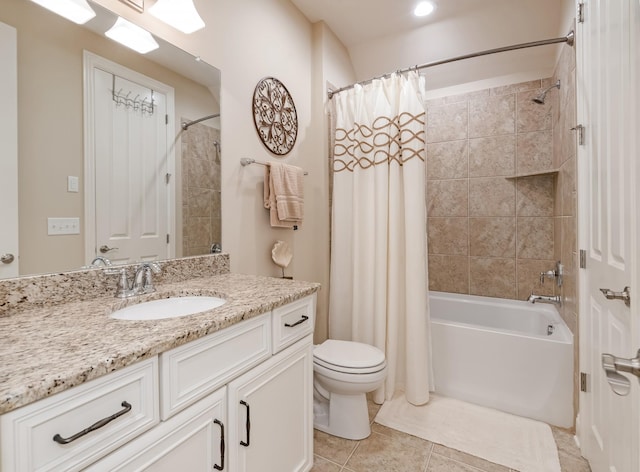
x: 565, y: 208
x: 489, y: 232
x: 201, y: 216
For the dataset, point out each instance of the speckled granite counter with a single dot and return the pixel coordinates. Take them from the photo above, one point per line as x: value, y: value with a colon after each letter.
x: 45, y: 350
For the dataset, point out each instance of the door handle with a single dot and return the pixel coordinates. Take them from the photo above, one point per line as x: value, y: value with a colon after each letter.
x: 613, y: 366
x: 104, y: 249
x: 7, y: 258
x: 624, y: 295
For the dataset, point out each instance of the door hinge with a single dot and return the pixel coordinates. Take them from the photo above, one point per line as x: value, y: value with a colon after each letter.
x: 167, y: 239
x: 580, y: 13
x: 583, y: 381
x: 583, y: 259
x: 167, y: 178
x: 166, y: 119
x: 580, y: 130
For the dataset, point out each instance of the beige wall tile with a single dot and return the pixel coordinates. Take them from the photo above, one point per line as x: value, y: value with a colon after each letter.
x: 533, y: 116
x: 492, y: 156
x: 515, y: 88
x: 535, y: 195
x: 492, y: 237
x: 568, y: 188
x: 200, y: 201
x: 199, y: 230
x: 447, y: 160
x: 200, y: 173
x: 492, y: 116
x: 528, y: 277
x: 492, y: 196
x: 448, y: 235
x: 535, y: 238
x: 447, y: 198
x: 492, y: 277
x: 447, y: 122
x: 534, y: 151
x: 449, y: 273
x: 569, y: 244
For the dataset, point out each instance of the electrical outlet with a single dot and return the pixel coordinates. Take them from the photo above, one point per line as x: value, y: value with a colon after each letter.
x: 56, y: 226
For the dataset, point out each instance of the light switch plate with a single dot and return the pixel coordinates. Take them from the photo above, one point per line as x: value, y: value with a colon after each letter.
x: 72, y: 183
x: 56, y: 226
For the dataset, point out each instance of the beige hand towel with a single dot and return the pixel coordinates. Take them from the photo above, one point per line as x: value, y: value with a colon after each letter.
x: 288, y: 186
x: 270, y: 202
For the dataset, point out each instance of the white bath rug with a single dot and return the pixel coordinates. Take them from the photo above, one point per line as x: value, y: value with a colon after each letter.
x: 519, y: 443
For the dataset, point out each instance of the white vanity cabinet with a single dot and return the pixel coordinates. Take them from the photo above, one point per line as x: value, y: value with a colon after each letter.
x: 233, y: 402
x: 53, y: 434
x: 271, y: 413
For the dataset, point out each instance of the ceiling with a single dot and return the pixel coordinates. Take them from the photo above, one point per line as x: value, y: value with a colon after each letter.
x: 383, y: 35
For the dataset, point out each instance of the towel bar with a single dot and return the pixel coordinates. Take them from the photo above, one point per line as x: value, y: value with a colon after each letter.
x: 245, y: 161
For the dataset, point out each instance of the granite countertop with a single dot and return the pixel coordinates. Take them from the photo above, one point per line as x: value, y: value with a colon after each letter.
x: 46, y: 350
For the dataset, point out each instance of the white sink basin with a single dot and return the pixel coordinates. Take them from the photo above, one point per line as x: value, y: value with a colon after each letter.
x: 164, y: 308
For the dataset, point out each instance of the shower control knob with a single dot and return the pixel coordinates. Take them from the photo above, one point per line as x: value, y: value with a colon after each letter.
x: 7, y: 258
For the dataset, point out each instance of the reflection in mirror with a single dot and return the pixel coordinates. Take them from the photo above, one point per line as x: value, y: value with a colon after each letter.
x: 52, y: 172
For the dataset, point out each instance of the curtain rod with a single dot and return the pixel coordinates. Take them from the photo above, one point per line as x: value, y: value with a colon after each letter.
x: 186, y: 124
x: 569, y: 39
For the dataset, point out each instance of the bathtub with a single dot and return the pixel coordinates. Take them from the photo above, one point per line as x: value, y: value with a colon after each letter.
x: 510, y: 355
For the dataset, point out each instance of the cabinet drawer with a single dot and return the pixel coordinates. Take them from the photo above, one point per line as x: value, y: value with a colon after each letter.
x: 293, y: 321
x: 192, y: 440
x: 27, y: 433
x: 190, y: 372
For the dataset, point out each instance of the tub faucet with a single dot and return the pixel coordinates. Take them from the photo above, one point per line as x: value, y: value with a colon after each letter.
x: 545, y: 299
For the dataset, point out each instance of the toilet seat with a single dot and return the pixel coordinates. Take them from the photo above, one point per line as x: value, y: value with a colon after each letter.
x: 349, y: 357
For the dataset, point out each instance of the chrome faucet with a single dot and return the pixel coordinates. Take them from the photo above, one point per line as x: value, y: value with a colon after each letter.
x: 142, y: 282
x: 103, y: 260
x: 556, y: 300
x: 556, y: 274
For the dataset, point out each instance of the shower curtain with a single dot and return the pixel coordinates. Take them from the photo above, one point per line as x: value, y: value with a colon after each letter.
x: 378, y: 284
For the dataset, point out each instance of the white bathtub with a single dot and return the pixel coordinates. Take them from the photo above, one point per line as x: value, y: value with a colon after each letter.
x: 497, y: 353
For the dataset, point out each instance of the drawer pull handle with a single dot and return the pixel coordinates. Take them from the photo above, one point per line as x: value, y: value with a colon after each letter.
x: 302, y: 320
x: 60, y: 440
x: 247, y: 425
x: 221, y: 466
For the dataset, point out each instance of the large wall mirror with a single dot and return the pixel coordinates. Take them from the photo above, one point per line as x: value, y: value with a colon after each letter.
x: 53, y: 142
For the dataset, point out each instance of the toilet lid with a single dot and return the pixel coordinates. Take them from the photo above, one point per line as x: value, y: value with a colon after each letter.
x: 349, y: 356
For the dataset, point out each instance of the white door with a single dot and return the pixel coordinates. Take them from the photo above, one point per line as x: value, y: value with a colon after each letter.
x: 607, y: 43
x: 9, y: 152
x: 129, y: 146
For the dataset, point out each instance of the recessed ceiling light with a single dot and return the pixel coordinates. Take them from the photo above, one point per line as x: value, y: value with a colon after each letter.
x: 424, y: 9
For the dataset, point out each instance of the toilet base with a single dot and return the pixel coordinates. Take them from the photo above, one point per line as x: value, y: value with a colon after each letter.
x: 344, y: 416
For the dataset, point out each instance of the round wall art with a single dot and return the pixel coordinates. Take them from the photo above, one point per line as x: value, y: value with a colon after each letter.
x: 274, y: 115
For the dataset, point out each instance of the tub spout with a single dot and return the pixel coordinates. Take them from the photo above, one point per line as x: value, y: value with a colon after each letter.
x: 544, y: 299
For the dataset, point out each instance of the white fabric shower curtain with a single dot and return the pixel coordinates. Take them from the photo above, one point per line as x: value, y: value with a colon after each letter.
x: 378, y: 285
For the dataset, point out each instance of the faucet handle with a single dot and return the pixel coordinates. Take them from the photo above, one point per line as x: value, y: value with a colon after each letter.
x: 123, y: 288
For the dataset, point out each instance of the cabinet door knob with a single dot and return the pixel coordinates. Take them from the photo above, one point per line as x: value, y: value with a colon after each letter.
x: 7, y: 258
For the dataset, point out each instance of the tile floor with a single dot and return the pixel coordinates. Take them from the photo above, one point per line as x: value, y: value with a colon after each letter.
x: 388, y: 450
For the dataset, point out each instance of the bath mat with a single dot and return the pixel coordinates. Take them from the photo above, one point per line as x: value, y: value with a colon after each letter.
x: 519, y: 443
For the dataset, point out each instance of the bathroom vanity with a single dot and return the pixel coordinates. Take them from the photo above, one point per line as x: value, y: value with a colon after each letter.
x: 229, y: 389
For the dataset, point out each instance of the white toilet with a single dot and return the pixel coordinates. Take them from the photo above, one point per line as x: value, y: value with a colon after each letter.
x: 343, y: 372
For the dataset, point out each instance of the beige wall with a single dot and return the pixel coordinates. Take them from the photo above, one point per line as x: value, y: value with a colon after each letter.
x: 489, y: 233
x: 50, y: 123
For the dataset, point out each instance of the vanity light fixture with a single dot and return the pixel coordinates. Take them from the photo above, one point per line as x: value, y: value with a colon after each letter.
x: 77, y: 11
x: 424, y: 9
x: 132, y: 36
x: 180, y: 14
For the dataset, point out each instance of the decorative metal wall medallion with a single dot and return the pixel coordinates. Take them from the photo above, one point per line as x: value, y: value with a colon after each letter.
x: 274, y: 115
